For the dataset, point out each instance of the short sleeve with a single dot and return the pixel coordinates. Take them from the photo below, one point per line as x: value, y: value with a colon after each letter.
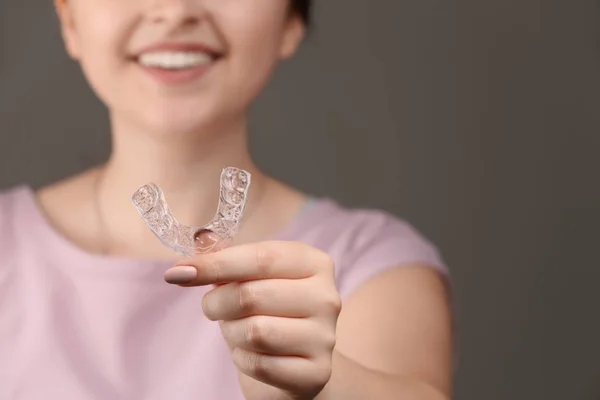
x: 9, y: 200
x: 381, y: 242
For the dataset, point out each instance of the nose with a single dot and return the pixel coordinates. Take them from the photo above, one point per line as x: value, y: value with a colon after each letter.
x: 176, y: 13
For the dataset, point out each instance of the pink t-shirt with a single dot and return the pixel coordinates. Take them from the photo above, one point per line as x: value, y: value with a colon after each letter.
x: 77, y: 326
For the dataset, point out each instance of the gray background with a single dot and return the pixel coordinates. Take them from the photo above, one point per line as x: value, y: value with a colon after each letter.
x: 475, y: 120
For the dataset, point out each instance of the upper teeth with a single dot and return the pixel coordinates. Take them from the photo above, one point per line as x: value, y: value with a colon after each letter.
x: 172, y: 59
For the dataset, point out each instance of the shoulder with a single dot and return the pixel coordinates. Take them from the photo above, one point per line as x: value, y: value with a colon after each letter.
x: 364, y: 242
x: 14, y: 203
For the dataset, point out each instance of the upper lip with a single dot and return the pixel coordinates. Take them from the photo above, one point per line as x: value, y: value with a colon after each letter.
x: 180, y: 46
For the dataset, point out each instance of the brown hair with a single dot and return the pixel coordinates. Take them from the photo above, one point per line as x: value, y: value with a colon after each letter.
x: 303, y: 9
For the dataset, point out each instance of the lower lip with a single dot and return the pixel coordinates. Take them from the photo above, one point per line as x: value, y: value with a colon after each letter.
x: 177, y: 76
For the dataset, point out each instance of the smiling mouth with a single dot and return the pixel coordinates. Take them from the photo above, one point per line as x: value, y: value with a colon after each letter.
x: 176, y: 60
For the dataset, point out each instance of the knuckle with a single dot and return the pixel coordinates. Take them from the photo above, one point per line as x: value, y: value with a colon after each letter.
x: 257, y: 333
x: 321, y: 374
x: 256, y: 365
x: 248, y: 297
x: 325, y: 262
x: 208, y: 306
x: 333, y: 302
x: 266, y: 256
x: 324, y: 375
x: 329, y: 263
x: 213, y: 268
x: 261, y: 370
x: 330, y: 340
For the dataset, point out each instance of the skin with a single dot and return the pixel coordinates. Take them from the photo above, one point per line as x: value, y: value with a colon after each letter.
x: 391, y: 340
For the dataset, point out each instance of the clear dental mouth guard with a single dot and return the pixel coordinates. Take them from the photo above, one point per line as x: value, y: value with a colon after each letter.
x: 150, y: 202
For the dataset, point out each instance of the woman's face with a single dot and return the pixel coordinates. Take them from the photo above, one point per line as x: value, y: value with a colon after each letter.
x: 175, y: 66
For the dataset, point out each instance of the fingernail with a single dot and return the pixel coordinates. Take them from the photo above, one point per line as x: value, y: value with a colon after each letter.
x: 180, y: 275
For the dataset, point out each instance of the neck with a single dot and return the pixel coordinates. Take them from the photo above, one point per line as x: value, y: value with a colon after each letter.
x: 186, y: 167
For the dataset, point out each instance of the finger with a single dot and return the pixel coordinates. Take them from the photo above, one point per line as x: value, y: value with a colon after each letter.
x: 286, y: 260
x: 301, y: 337
x: 205, y: 241
x: 293, y: 374
x: 291, y: 298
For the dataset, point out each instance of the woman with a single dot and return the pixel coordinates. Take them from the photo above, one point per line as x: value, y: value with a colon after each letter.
x: 84, y: 310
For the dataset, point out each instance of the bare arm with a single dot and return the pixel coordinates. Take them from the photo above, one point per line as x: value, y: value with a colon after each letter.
x: 394, y: 339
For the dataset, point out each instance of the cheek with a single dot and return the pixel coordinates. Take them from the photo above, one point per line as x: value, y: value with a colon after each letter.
x: 100, y: 39
x: 254, y: 40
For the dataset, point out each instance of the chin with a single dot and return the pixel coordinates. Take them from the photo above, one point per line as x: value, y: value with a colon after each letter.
x: 178, y: 117
x: 180, y: 123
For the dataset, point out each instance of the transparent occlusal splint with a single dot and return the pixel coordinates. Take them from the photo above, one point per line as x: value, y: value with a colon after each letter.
x: 150, y: 202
